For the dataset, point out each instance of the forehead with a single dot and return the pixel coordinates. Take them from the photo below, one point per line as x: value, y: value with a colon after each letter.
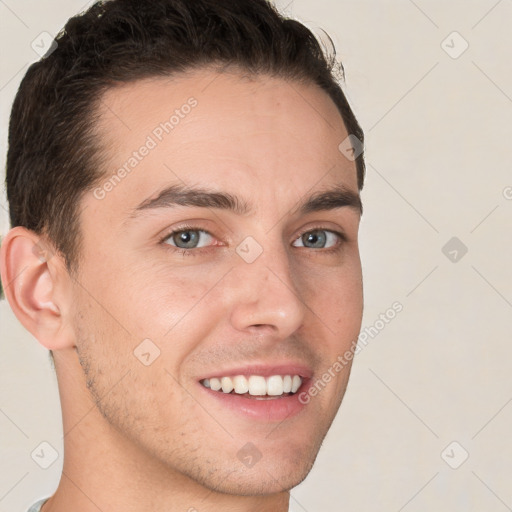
x: 252, y: 135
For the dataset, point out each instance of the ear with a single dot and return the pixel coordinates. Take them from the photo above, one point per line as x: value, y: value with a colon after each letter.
x: 37, y: 285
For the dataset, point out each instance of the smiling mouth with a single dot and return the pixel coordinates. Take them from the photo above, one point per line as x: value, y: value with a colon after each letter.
x: 256, y: 386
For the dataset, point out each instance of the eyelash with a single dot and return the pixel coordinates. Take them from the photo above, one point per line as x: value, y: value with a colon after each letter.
x: 195, y: 251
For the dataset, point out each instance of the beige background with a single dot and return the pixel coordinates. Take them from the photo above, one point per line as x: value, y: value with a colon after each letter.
x: 438, y: 125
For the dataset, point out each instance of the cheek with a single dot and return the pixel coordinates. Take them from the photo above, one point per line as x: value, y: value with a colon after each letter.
x: 149, y: 298
x: 335, y: 294
x: 177, y: 300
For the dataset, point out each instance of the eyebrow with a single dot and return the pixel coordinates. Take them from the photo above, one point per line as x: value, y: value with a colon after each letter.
x: 333, y: 198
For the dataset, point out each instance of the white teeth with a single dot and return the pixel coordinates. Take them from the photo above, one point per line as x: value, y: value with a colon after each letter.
x: 275, y: 385
x: 296, y: 382
x: 240, y: 384
x: 255, y: 385
x: 215, y: 384
x: 287, y: 384
x: 227, y: 384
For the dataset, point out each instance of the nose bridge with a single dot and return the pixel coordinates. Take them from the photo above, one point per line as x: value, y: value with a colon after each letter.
x: 266, y: 289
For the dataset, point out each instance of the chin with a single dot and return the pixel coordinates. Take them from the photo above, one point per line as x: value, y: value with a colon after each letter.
x: 275, y: 472
x: 265, y: 480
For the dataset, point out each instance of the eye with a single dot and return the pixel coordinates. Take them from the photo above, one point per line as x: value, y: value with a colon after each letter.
x: 188, y: 238
x: 318, y: 239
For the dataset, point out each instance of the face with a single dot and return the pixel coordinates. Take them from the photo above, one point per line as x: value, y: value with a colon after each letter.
x: 253, y: 280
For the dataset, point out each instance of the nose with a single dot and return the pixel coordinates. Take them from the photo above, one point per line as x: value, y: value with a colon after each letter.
x: 266, y: 297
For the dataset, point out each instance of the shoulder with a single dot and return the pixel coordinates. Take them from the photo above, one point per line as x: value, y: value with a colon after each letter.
x: 36, y: 507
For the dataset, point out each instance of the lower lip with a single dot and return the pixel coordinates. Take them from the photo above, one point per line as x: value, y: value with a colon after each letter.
x: 272, y: 409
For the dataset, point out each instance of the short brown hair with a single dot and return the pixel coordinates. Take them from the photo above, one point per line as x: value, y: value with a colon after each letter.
x: 53, y: 157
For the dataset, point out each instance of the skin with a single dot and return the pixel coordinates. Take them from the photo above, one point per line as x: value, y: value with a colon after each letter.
x: 142, y: 437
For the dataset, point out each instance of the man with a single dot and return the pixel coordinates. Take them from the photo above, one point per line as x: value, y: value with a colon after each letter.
x: 183, y: 179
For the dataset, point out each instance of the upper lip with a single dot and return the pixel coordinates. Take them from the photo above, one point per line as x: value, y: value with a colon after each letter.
x: 265, y: 370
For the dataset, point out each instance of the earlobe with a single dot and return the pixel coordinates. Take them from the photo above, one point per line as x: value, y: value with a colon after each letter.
x: 31, y: 275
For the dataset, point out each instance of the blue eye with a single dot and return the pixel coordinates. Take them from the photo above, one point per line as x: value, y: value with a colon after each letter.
x: 318, y: 239
x: 188, y: 238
